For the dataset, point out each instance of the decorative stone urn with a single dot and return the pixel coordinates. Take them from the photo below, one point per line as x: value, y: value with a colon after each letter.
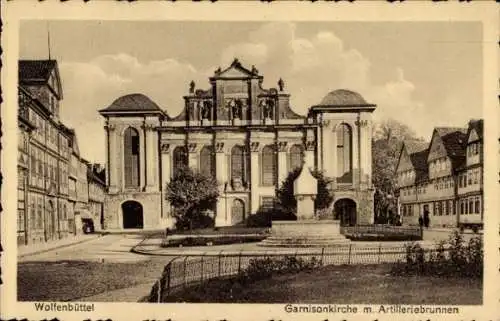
x: 305, y: 189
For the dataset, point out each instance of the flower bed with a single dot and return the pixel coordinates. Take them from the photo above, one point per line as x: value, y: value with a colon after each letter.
x: 211, y: 240
x: 381, y: 233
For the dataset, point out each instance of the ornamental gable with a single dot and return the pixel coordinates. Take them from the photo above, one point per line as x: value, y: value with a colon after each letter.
x: 404, y: 162
x: 236, y: 97
x: 437, y: 148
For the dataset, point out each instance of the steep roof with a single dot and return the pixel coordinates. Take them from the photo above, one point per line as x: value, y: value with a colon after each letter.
x: 418, y: 152
x: 454, y: 140
x: 477, y: 125
x: 414, y: 146
x: 132, y: 103
x: 35, y: 70
x: 419, y: 161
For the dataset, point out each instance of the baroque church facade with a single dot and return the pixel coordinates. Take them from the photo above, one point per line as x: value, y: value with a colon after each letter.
x: 245, y: 136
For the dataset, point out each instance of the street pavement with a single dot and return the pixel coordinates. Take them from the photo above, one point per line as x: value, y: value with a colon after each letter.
x: 111, y: 248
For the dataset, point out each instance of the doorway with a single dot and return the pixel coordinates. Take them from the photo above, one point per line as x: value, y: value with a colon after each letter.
x: 345, y: 211
x: 132, y: 215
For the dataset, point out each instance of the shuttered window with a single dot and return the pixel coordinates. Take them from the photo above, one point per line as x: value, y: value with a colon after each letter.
x: 268, y: 166
x: 344, y: 157
x: 207, y: 163
x: 238, y: 163
x: 296, y: 154
x: 180, y: 158
x: 131, y: 154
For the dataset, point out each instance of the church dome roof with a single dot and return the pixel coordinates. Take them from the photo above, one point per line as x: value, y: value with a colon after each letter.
x: 133, y: 103
x: 343, y: 97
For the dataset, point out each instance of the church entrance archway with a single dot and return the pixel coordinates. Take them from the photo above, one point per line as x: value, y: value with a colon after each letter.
x: 237, y: 211
x: 345, y: 210
x: 132, y: 215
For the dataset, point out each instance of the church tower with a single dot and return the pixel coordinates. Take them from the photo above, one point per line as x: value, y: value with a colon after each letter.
x: 344, y: 134
x: 132, y: 163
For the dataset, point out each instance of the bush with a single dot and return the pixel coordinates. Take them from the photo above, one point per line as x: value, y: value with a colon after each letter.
x: 259, y: 269
x: 260, y: 219
x: 450, y: 258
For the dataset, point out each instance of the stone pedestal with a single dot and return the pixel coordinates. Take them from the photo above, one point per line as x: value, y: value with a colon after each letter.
x: 305, y: 233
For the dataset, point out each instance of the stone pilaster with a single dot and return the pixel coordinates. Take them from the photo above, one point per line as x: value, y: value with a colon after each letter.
x: 254, y: 176
x: 363, y: 152
x: 166, y: 174
x: 355, y: 153
x: 113, y: 160
x: 151, y: 158
x: 221, y: 171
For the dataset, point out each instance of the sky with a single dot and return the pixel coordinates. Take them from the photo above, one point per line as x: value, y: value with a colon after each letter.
x: 423, y: 74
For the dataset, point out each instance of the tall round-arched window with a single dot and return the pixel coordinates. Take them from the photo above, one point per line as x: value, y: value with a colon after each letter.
x: 295, y: 157
x: 207, y: 163
x: 180, y: 158
x: 238, y: 164
x: 344, y: 153
x: 268, y: 166
x: 131, y: 154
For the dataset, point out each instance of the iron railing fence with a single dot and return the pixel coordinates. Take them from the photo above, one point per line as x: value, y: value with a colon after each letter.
x: 182, y: 271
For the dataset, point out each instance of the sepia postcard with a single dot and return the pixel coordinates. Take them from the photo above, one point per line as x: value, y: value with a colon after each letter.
x: 250, y: 161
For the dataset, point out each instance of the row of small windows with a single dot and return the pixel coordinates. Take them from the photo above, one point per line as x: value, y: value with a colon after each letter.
x: 36, y: 209
x: 407, y: 175
x: 45, y: 129
x: 45, y: 170
x: 439, y: 165
x: 471, y: 177
x: 473, y: 149
x: 471, y: 205
x: 444, y: 183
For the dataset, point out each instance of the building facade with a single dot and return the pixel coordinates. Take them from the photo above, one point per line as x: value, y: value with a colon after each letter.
x: 97, y: 189
x: 443, y: 179
x: 52, y: 177
x: 245, y: 136
x: 43, y: 155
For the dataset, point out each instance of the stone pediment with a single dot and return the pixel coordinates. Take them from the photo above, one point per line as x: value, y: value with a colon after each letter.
x: 236, y: 71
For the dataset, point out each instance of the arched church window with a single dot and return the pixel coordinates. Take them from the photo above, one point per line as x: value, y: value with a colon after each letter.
x: 207, y: 163
x: 268, y: 166
x: 180, y: 158
x: 344, y: 153
x: 131, y: 153
x: 238, y: 164
x: 296, y: 155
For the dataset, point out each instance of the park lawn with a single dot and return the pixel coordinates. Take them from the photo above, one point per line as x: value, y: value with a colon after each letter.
x: 354, y: 284
x: 72, y: 280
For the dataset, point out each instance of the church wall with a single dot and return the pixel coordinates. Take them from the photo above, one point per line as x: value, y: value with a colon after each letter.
x: 151, y: 205
x: 236, y: 110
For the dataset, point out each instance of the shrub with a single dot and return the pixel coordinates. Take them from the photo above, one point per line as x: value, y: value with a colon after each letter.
x: 450, y: 258
x: 260, y: 219
x: 259, y: 269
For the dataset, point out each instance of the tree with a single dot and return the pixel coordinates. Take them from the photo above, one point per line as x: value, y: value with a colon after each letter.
x: 191, y: 194
x: 286, y: 204
x: 388, y: 139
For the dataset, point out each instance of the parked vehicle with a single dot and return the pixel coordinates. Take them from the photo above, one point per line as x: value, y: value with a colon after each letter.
x: 87, y: 225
